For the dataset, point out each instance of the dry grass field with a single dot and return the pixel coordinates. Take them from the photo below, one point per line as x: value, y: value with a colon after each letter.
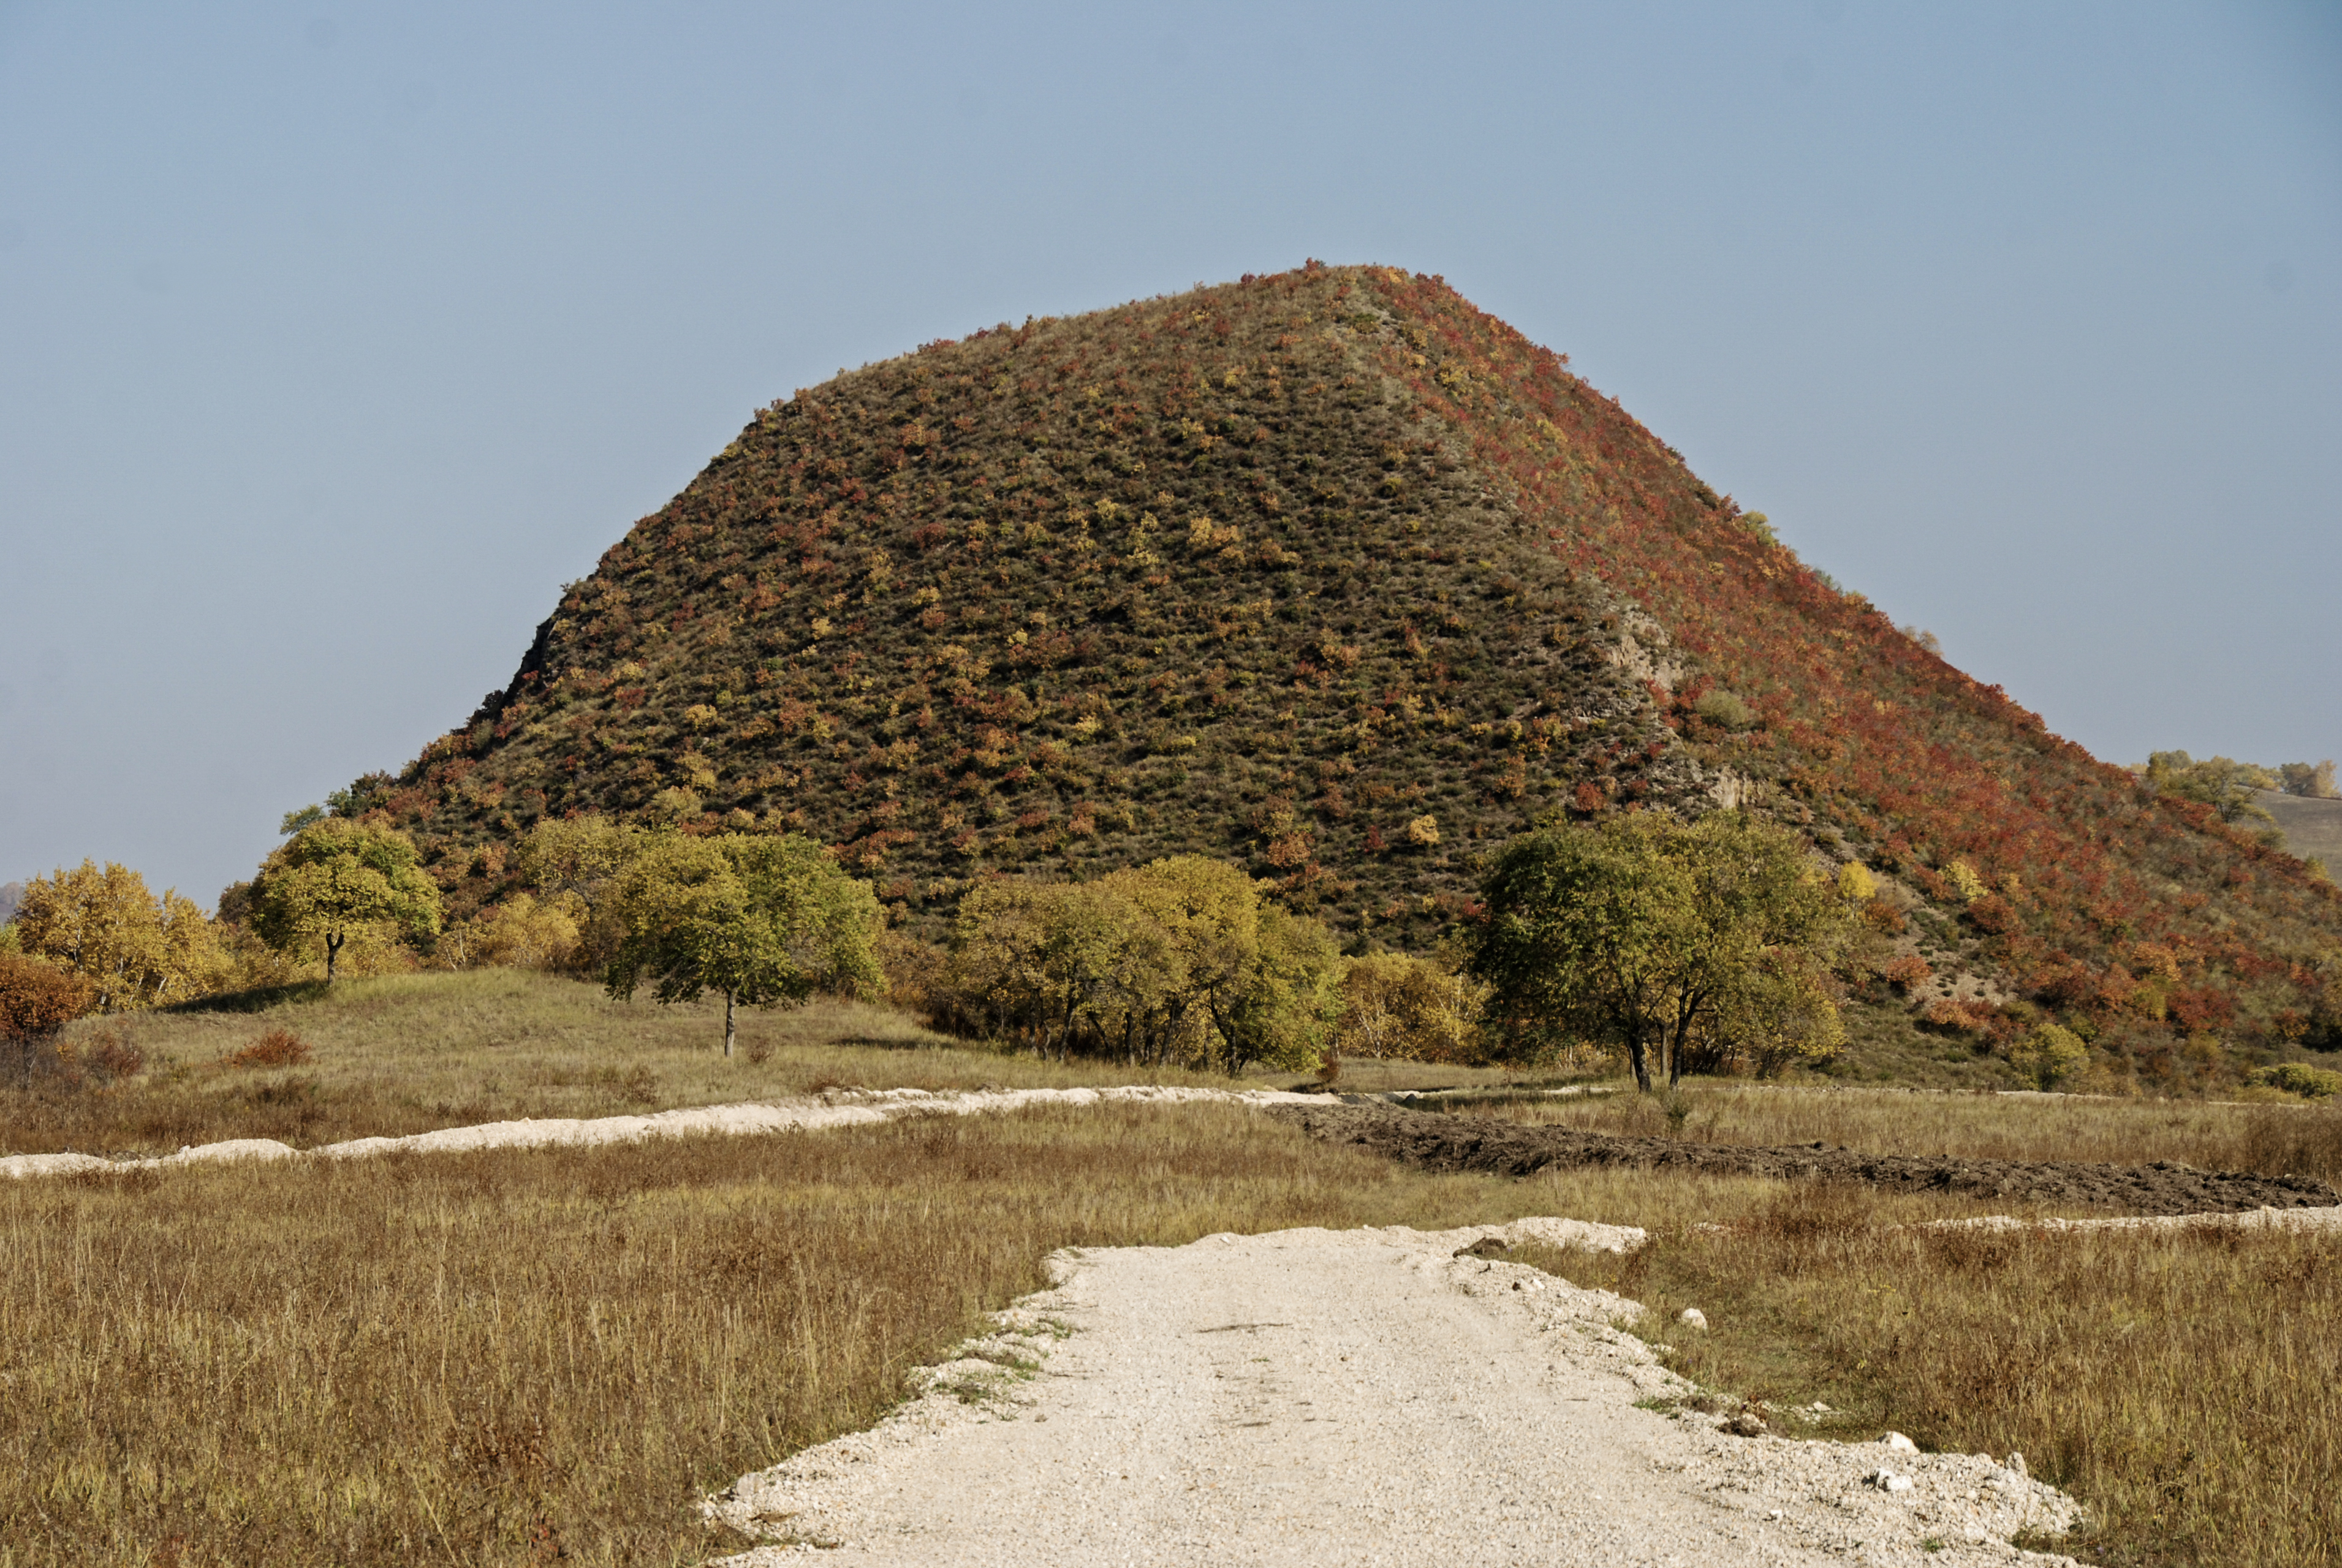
x: 516, y: 1358
x: 2185, y: 1385
x: 2265, y: 1139
x: 409, y: 1054
x: 530, y: 1357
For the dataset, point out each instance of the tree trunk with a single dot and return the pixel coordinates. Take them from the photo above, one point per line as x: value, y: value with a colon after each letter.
x: 1640, y: 1060
x: 727, y: 1025
x: 333, y: 952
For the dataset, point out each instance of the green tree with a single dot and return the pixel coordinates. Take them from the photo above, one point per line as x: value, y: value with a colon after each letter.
x: 338, y: 877
x: 1686, y: 945
x: 763, y: 920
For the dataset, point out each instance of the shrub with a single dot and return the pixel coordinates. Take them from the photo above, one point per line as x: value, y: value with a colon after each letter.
x: 1945, y: 1012
x: 1424, y: 830
x: 2302, y: 1079
x: 112, y: 1055
x: 2048, y: 1055
x: 272, y: 1048
x: 1855, y: 883
x: 36, y: 1000
x: 1907, y: 971
x: 1721, y: 707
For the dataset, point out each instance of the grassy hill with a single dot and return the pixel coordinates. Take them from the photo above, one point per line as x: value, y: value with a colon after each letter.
x: 1332, y: 574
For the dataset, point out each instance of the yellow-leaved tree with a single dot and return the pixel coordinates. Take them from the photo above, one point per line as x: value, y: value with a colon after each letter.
x: 134, y: 949
x: 1181, y: 960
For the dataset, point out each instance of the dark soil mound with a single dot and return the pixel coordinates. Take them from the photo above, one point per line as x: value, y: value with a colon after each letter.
x: 1437, y: 1143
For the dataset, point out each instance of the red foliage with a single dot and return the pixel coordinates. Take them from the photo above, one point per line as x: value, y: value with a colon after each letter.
x: 39, y: 999
x: 272, y: 1048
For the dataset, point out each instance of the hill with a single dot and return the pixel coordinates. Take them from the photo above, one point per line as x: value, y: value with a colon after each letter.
x: 1331, y: 573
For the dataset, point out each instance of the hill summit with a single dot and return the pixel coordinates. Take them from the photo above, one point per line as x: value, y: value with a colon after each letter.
x: 1332, y: 574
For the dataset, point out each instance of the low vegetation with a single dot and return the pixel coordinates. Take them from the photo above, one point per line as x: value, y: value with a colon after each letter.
x: 519, y: 1358
x: 412, y: 1052
x: 2185, y: 1385
x: 2267, y: 1139
x: 555, y: 1351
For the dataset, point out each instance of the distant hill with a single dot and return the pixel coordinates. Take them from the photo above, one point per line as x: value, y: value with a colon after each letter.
x: 1332, y: 574
x: 2312, y: 828
x: 12, y: 893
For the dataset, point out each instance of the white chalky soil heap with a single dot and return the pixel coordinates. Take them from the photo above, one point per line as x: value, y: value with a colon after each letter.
x: 1372, y: 1396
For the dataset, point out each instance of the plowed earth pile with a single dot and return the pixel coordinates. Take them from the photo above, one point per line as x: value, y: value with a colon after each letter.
x: 1443, y: 1143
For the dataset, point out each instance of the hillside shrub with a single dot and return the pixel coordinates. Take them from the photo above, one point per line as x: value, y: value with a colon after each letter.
x: 1721, y: 707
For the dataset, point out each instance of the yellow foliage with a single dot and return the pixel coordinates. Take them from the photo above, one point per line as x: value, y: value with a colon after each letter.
x: 521, y: 933
x: 1855, y: 883
x: 135, y: 949
x: 1424, y: 830
x: 1407, y: 1009
x: 1963, y: 877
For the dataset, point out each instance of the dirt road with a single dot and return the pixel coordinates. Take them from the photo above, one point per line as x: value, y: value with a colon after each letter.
x: 1354, y: 1397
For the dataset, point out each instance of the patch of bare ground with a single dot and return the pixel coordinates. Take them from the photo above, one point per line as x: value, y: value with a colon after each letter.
x: 1433, y: 1142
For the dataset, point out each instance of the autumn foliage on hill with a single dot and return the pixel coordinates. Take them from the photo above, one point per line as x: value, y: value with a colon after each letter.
x: 1333, y: 575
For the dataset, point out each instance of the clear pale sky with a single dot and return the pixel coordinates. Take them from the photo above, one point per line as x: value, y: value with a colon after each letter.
x: 333, y: 338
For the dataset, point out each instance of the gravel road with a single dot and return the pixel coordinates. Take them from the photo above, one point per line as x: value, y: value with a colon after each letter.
x: 1369, y: 1397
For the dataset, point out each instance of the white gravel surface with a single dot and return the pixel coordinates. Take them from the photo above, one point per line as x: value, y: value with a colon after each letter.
x: 838, y: 1109
x: 1364, y: 1396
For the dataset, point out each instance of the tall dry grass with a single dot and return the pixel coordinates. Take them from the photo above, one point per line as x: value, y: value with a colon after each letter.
x: 412, y: 1052
x: 518, y: 1358
x: 2187, y: 1385
x: 2265, y: 1139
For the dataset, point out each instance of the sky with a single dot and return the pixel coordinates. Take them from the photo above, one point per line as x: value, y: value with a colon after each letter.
x: 334, y: 338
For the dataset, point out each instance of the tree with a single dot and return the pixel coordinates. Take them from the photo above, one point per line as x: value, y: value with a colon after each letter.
x: 2047, y: 1055
x: 579, y: 859
x: 337, y: 878
x: 135, y: 949
x: 36, y: 1000
x: 1405, y: 1008
x: 521, y: 933
x: 1177, y: 960
x: 2223, y: 784
x: 1692, y: 944
x: 763, y: 920
x: 2312, y: 782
